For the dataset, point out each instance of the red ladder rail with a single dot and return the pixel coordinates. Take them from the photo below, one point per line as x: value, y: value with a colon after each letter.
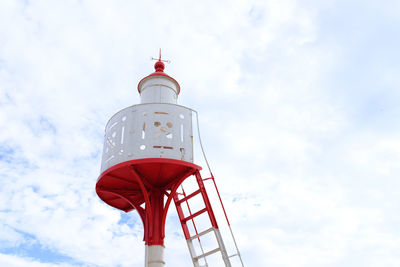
x: 214, y: 225
x: 184, y: 225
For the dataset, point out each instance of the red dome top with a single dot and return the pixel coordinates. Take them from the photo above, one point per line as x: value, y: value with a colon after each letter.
x: 159, y: 66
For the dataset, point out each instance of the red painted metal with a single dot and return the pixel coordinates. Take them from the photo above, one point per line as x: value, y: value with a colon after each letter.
x: 206, y: 199
x: 181, y: 216
x: 189, y: 196
x: 219, y: 196
x: 188, y: 218
x: 159, y: 67
x: 129, y: 185
x: 208, y: 208
x: 186, y: 198
x: 220, y: 199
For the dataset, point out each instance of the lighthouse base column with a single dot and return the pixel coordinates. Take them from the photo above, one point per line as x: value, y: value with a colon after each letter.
x: 154, y: 256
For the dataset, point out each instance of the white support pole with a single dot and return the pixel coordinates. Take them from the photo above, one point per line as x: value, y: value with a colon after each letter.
x: 154, y: 256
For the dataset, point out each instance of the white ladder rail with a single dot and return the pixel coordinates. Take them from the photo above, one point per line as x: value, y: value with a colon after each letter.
x: 215, y: 185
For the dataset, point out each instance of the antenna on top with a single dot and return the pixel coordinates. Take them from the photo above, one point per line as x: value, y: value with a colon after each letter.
x: 159, y: 58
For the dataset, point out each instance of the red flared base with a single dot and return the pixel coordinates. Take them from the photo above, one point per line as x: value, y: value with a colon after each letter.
x: 126, y: 186
x: 119, y: 187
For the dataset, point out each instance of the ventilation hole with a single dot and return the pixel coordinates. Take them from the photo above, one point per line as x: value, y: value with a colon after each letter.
x: 163, y: 129
x: 142, y: 147
x: 157, y: 123
x: 169, y: 124
x: 143, y: 130
x: 182, y: 153
x: 110, y: 158
x: 165, y: 147
x: 122, y: 135
x: 182, y: 133
x: 181, y: 116
x: 160, y: 112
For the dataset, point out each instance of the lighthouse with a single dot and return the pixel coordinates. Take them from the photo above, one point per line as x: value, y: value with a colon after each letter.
x: 147, y: 154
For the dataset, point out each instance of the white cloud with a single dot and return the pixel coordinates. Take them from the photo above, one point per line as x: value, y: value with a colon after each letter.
x: 16, y: 261
x: 299, y: 125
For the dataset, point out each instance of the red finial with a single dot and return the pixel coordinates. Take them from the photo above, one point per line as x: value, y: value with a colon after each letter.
x: 159, y: 66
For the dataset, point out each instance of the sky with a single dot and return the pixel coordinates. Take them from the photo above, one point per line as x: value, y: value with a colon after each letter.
x: 299, y: 113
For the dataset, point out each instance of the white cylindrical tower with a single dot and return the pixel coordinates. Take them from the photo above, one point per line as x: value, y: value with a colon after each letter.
x: 148, y: 152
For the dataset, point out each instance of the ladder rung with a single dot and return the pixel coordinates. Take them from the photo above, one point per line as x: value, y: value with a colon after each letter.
x: 188, y: 196
x: 207, y: 253
x: 194, y: 215
x: 233, y: 255
x: 202, y: 233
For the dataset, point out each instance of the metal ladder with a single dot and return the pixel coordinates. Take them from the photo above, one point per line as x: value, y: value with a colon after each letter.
x: 196, y: 257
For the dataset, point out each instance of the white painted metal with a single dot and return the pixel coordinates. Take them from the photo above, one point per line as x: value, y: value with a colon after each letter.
x: 202, y: 233
x: 192, y: 252
x: 237, y: 249
x: 209, y: 169
x: 148, y: 131
x: 158, y: 89
x: 221, y: 248
x: 154, y: 256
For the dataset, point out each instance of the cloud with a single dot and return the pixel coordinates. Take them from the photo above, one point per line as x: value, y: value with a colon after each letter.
x: 17, y: 261
x: 298, y: 115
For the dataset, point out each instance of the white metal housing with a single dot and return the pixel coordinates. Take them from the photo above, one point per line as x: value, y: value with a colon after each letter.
x: 158, y: 89
x: 148, y: 131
